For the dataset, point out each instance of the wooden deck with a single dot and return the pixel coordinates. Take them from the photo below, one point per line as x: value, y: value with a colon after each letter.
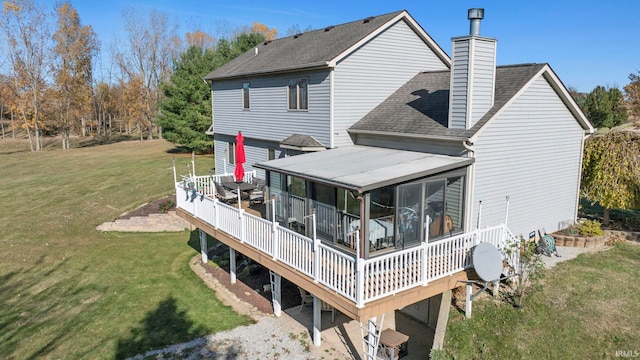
x: 344, y: 305
x: 359, y: 288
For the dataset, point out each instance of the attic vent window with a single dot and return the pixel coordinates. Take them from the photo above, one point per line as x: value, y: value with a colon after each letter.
x: 368, y: 19
x: 328, y: 28
x: 297, y: 35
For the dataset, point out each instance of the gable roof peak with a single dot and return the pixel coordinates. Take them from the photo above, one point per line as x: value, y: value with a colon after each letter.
x: 321, y: 48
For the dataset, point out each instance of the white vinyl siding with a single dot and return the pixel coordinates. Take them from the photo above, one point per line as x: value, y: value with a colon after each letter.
x: 374, y: 71
x: 459, y: 85
x: 531, y: 152
x: 269, y: 118
x: 472, y: 80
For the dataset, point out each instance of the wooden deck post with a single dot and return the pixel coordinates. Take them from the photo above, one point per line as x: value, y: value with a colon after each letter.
x: 317, y: 321
x: 232, y: 264
x: 443, y: 318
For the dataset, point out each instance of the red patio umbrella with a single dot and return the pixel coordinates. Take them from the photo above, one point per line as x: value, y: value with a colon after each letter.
x: 240, y: 158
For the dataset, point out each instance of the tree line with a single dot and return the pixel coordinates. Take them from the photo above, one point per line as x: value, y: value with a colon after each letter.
x: 48, y: 84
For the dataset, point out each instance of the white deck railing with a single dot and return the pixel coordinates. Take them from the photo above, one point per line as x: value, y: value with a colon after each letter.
x: 203, y: 186
x: 359, y: 280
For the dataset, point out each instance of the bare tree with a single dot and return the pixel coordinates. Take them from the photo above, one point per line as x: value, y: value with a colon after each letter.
x: 27, y: 31
x: 151, y: 47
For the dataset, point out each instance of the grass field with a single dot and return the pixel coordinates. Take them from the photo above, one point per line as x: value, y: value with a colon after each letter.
x: 586, y: 308
x: 68, y: 291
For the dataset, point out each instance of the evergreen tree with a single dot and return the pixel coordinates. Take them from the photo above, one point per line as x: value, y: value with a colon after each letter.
x: 605, y: 108
x: 185, y: 111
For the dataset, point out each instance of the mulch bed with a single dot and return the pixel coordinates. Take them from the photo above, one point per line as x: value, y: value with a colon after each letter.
x: 154, y: 207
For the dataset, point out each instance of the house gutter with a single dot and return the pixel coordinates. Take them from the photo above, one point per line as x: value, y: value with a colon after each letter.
x: 313, y: 66
x: 407, y: 135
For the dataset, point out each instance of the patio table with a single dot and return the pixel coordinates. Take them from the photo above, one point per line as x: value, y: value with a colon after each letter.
x: 244, y: 188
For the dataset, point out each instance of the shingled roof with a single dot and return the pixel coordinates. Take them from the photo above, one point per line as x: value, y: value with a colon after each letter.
x: 421, y: 106
x: 313, y: 49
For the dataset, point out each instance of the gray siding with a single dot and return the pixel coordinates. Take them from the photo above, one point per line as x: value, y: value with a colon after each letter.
x: 531, y: 152
x: 256, y: 151
x: 268, y: 117
x: 374, y: 71
x: 459, y: 84
x: 476, y: 58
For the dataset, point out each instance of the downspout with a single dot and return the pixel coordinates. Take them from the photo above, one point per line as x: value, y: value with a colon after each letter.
x: 210, y: 84
x: 471, y: 180
x: 575, y: 213
x: 331, y: 110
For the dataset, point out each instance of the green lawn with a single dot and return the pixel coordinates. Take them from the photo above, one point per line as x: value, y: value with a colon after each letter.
x: 69, y: 291
x: 586, y: 308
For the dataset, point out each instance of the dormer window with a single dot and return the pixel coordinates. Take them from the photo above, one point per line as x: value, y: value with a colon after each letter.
x: 245, y: 96
x: 298, y: 98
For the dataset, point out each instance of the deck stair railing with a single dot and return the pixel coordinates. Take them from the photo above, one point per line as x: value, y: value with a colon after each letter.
x: 359, y: 280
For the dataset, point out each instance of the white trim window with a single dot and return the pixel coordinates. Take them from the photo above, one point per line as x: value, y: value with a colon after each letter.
x: 298, y: 94
x: 245, y: 96
x: 232, y: 153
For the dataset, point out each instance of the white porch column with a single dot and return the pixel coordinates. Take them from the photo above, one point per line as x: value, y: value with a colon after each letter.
x: 276, y: 294
x: 203, y: 246
x: 317, y: 321
x: 232, y: 265
x: 467, y: 303
x: 372, y: 341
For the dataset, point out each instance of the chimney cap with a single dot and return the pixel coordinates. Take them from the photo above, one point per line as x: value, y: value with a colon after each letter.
x: 475, y: 13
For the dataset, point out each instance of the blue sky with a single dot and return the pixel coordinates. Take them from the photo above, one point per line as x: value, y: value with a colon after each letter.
x: 587, y: 43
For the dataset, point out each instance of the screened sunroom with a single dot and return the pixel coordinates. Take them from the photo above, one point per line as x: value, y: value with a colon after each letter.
x: 394, y: 199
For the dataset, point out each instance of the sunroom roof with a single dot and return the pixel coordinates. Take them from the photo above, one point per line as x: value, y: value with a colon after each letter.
x: 364, y: 168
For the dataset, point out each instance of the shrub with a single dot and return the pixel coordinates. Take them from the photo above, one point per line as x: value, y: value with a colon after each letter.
x: 590, y: 228
x: 165, y: 206
x: 572, y: 230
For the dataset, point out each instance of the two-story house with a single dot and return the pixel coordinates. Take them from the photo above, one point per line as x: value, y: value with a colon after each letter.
x: 426, y: 157
x: 315, y: 84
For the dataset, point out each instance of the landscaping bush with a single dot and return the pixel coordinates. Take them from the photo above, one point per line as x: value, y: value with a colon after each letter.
x: 590, y: 228
x: 165, y: 206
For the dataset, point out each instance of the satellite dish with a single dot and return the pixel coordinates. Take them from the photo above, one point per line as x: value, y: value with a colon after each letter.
x: 487, y: 261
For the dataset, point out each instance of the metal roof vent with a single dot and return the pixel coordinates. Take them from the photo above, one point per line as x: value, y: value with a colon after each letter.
x: 329, y: 28
x: 475, y: 15
x: 297, y: 35
x: 368, y: 19
x: 266, y: 42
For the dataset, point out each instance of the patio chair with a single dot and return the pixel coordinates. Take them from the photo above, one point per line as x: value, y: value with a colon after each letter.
x: 326, y: 307
x: 257, y: 195
x: 306, y: 298
x: 225, y: 195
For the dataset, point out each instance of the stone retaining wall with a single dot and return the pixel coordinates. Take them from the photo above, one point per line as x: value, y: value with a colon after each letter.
x: 594, y: 241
